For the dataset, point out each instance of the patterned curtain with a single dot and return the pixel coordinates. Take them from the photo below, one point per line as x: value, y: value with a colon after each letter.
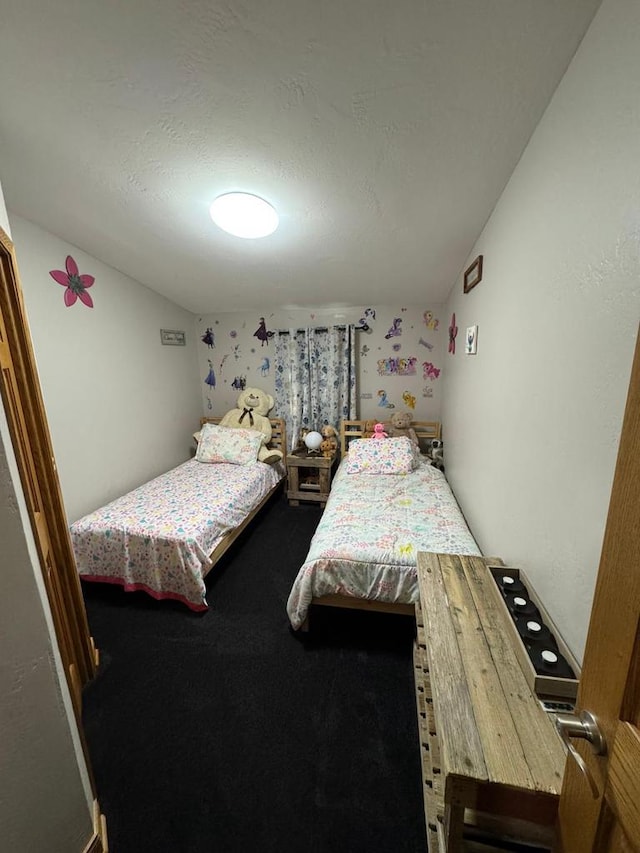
x: 315, y: 378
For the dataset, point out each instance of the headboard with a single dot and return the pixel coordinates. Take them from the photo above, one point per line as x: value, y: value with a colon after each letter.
x: 278, y: 432
x: 425, y: 430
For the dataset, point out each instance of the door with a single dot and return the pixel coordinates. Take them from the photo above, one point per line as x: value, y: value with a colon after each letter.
x: 610, y: 682
x: 31, y: 441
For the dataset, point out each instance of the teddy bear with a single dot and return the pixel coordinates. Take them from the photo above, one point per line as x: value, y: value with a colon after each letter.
x: 328, y: 448
x: 401, y: 426
x: 329, y: 434
x: 368, y: 429
x: 253, y: 407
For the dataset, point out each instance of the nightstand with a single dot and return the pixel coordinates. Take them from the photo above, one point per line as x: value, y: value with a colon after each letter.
x: 309, y: 477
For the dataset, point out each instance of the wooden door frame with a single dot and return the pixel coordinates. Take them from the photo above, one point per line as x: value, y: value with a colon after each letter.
x: 34, y: 456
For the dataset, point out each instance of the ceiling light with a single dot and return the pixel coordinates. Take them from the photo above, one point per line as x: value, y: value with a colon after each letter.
x: 244, y: 215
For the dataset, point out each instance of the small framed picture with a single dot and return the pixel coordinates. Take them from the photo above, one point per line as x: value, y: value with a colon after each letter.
x: 172, y: 338
x: 473, y: 274
x: 471, y: 340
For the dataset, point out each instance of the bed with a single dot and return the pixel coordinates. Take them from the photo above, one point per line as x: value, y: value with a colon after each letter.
x: 364, y: 551
x: 165, y: 536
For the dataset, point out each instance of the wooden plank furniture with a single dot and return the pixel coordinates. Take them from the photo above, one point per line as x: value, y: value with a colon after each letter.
x: 491, y: 757
x: 315, y: 483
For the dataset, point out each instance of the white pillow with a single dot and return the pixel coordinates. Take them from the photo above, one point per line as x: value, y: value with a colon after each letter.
x: 381, y: 456
x: 228, y: 444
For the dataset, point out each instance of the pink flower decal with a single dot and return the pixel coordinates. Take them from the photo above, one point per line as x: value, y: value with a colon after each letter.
x: 76, y: 284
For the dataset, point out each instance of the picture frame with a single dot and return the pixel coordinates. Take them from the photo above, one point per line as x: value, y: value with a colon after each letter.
x: 172, y: 338
x: 471, y: 340
x: 473, y: 274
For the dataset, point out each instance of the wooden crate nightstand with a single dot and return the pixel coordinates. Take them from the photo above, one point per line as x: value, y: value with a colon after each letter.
x: 309, y: 477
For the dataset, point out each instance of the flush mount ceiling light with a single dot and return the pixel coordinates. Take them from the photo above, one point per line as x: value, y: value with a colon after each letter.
x: 244, y: 215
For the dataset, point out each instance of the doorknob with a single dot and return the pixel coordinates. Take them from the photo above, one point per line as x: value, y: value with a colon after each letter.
x: 584, y: 726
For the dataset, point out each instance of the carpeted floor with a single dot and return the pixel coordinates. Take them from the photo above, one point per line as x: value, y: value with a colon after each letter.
x: 225, y: 732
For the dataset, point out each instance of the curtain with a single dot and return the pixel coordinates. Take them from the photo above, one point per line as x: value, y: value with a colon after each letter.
x: 315, y: 375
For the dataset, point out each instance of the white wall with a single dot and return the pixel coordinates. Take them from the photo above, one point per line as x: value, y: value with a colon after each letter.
x: 121, y: 407
x: 532, y: 421
x: 239, y: 353
x: 45, y: 797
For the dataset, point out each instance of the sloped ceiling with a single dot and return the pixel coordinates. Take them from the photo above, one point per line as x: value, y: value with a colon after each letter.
x: 383, y: 132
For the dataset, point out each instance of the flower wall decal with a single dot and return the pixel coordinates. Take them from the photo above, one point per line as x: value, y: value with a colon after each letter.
x: 453, y: 331
x: 76, y: 285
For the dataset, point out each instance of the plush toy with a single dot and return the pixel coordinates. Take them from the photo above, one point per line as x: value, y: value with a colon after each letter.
x: 367, y: 429
x: 329, y: 434
x: 328, y: 448
x: 401, y: 425
x: 378, y: 431
x: 436, y: 453
x: 253, y: 407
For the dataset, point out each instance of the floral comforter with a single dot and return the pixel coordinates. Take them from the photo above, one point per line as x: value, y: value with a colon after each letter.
x: 370, y: 533
x: 158, y: 537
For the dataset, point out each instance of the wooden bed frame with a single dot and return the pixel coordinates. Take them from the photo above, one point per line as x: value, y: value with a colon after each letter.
x: 425, y: 430
x: 279, y: 442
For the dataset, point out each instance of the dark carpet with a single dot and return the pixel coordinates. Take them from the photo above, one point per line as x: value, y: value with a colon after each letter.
x: 225, y: 732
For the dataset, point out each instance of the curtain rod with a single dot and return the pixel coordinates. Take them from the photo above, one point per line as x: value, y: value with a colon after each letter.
x: 314, y: 328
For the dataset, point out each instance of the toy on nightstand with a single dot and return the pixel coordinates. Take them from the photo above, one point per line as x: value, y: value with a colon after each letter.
x: 378, y: 431
x: 328, y: 448
x: 329, y: 434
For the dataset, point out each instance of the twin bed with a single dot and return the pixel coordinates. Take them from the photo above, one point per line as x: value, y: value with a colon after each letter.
x: 364, y: 552
x: 165, y: 536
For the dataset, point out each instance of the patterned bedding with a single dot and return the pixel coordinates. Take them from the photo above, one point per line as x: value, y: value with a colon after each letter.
x: 370, y: 533
x: 158, y: 537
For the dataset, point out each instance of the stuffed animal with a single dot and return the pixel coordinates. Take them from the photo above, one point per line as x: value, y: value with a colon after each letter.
x: 328, y: 448
x: 378, y: 431
x: 253, y: 407
x: 329, y: 434
x: 436, y: 453
x: 367, y: 429
x: 401, y: 425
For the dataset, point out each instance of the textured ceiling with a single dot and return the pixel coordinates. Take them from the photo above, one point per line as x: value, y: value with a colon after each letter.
x: 383, y: 131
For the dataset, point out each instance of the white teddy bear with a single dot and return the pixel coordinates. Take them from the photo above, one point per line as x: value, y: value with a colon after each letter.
x: 253, y: 407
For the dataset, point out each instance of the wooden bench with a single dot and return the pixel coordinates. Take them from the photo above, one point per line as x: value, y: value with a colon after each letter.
x: 492, y: 760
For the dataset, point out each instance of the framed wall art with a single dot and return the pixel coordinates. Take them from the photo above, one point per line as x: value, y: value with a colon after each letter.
x: 473, y: 274
x: 471, y: 340
x: 173, y: 338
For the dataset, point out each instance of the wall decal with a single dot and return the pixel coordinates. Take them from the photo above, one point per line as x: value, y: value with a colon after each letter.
x: 209, y: 403
x: 396, y: 347
x: 471, y: 343
x: 453, y: 331
x: 224, y: 358
x: 76, y: 285
x: 365, y: 350
x: 426, y: 344
x: 363, y: 323
x: 237, y: 352
x: 431, y: 322
x: 265, y: 366
x: 408, y: 399
x: 429, y: 371
x: 239, y: 383
x: 397, y: 366
x: 395, y: 330
x: 209, y: 338
x: 233, y: 334
x: 172, y: 338
x: 383, y: 402
x: 427, y: 391
x: 210, y: 378
x: 262, y: 334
